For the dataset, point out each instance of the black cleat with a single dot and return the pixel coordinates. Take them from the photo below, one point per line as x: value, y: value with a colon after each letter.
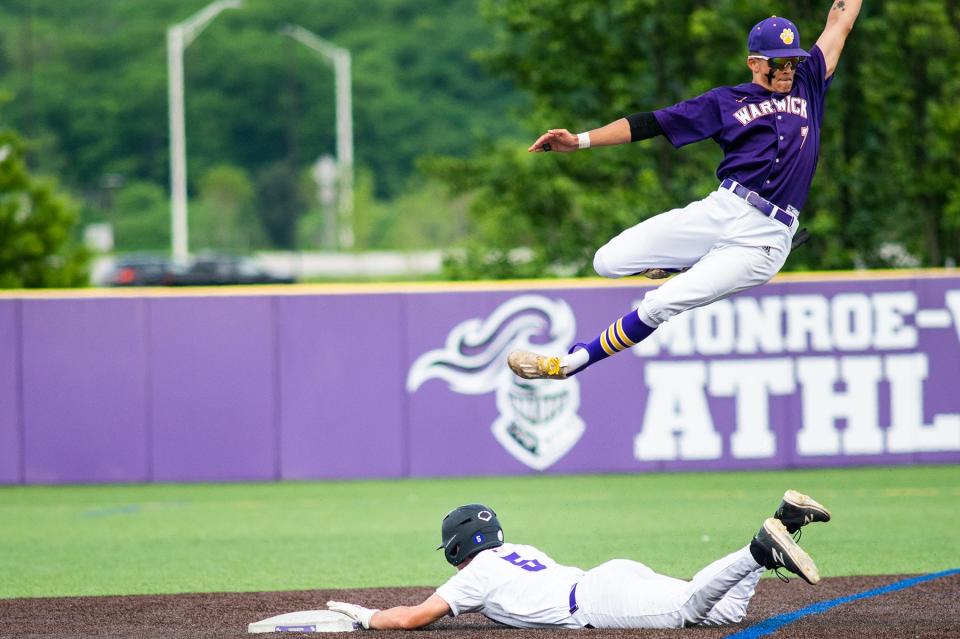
x: 797, y: 510
x: 773, y: 548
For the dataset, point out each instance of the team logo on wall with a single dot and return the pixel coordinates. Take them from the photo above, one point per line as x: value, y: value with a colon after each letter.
x: 538, y: 422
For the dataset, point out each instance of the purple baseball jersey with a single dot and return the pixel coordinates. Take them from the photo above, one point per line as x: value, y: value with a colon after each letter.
x: 770, y: 141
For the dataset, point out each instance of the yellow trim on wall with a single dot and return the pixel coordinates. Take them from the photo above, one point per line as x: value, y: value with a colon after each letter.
x: 374, y: 288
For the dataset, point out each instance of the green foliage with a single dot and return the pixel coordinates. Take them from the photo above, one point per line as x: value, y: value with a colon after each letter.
x: 141, y: 213
x: 311, y: 227
x: 280, y: 200
x: 887, y: 175
x: 423, y: 216
x: 35, y: 226
x: 550, y: 204
x: 224, y: 215
x: 909, y: 55
x: 94, y: 540
x: 89, y: 82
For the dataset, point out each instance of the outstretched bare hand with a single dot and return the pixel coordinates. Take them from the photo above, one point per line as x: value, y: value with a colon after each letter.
x: 559, y: 140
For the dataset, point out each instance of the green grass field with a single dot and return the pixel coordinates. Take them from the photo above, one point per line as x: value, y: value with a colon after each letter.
x: 91, y: 540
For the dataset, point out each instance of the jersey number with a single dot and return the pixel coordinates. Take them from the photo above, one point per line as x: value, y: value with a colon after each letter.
x: 531, y: 565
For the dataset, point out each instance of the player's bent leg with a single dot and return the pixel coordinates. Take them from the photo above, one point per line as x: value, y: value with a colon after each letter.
x: 673, y: 240
x: 624, y: 594
x: 719, y: 274
x: 732, y: 608
x: 731, y: 579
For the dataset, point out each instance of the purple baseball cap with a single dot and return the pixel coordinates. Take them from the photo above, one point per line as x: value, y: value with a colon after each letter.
x: 776, y: 37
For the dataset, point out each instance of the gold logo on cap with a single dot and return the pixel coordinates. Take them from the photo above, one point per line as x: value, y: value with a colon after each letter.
x: 787, y: 36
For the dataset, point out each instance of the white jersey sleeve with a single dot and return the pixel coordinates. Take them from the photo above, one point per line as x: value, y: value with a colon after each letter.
x: 463, y: 592
x: 515, y: 585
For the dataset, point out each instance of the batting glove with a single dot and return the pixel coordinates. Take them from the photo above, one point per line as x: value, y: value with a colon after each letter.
x: 355, y: 612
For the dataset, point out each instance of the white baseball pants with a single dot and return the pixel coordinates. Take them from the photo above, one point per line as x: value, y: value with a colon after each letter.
x: 627, y: 594
x: 728, y: 245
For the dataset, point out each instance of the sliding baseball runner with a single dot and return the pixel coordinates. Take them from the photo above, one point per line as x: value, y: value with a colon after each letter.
x: 521, y: 586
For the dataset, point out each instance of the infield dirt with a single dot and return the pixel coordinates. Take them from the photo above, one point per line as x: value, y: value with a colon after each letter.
x: 928, y: 610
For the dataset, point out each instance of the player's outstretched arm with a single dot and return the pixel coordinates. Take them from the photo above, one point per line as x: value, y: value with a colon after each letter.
x: 561, y: 140
x: 411, y: 617
x: 398, y: 618
x: 843, y: 13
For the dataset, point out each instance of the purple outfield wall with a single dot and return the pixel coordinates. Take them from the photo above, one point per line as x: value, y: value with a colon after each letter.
x: 384, y: 382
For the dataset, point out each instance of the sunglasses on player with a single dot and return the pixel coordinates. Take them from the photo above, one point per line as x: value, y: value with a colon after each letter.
x: 780, y: 63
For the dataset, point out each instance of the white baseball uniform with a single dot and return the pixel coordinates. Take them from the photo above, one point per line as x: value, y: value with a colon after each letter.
x: 521, y: 586
x: 725, y: 243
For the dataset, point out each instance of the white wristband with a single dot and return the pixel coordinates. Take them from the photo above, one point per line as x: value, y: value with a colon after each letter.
x: 583, y: 140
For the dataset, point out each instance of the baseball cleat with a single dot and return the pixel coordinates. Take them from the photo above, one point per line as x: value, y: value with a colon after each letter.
x: 774, y: 548
x: 797, y: 510
x: 532, y: 366
x: 660, y: 273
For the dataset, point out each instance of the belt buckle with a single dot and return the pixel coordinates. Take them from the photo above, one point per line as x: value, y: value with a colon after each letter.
x: 756, y: 196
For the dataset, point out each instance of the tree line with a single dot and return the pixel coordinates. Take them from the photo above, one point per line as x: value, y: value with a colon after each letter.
x: 447, y: 96
x: 85, y: 82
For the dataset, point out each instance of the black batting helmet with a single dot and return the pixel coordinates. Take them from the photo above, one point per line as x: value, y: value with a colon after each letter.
x: 467, y: 530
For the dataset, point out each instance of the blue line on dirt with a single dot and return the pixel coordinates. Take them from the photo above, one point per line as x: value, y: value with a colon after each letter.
x: 771, y: 625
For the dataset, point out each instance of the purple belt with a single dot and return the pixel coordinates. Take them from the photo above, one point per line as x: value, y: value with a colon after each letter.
x: 573, y: 603
x: 573, y: 599
x: 753, y: 199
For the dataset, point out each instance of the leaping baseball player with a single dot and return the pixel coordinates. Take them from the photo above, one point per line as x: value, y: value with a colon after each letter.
x: 522, y: 587
x: 739, y: 236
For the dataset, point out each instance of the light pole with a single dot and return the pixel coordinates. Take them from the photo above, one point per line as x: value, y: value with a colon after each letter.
x: 179, y: 37
x: 340, y: 59
x: 325, y: 176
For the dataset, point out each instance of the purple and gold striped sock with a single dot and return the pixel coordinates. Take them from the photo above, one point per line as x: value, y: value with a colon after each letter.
x: 627, y: 331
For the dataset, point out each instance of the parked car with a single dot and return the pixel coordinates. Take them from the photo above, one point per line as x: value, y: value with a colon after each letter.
x: 204, y: 270
x: 217, y: 270
x: 142, y: 270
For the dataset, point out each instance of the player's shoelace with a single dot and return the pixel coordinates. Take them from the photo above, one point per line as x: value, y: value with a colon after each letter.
x: 798, y: 533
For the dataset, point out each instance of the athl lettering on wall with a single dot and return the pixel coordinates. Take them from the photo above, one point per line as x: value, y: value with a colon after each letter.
x: 867, y: 345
